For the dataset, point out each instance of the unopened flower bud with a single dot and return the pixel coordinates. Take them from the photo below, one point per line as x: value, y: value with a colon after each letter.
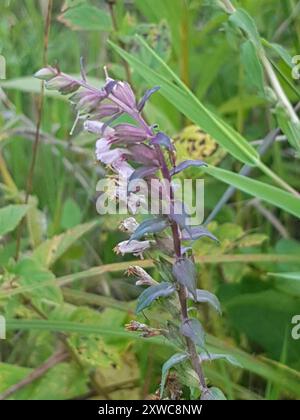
x: 123, y: 92
x: 127, y: 133
x: 46, y: 73
x: 143, y: 278
x: 62, y: 84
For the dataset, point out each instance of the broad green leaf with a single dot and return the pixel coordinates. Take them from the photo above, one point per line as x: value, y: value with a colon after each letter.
x: 10, y: 217
x: 87, y: 18
x: 174, y: 360
x: 64, y: 381
x: 213, y: 394
x: 32, y: 273
x: 152, y: 293
x: 71, y: 214
x: 52, y: 249
x: 186, y: 102
x: 265, y: 192
x: 253, y: 67
x: 244, y: 21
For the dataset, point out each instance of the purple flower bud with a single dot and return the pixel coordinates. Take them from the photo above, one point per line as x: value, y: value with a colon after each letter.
x: 105, y: 110
x: 127, y: 133
x: 87, y: 101
x: 46, y: 73
x: 62, y: 84
x: 144, y: 154
x: 123, y: 92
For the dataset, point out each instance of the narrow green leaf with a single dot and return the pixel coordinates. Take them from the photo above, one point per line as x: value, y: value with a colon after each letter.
x: 154, y: 292
x: 253, y: 67
x: 241, y: 19
x: 265, y: 192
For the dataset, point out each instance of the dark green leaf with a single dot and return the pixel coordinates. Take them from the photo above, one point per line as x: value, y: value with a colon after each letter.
x: 154, y: 292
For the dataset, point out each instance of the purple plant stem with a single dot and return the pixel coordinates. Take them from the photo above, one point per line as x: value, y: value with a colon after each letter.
x: 194, y: 358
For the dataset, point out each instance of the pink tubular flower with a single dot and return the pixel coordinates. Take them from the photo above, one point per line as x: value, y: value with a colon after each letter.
x: 98, y: 127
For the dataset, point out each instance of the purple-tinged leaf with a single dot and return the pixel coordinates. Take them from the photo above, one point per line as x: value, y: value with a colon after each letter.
x: 179, y: 215
x: 146, y: 96
x: 154, y: 225
x: 174, y: 360
x: 186, y: 164
x: 203, y: 296
x: 144, y: 154
x: 143, y: 172
x: 152, y: 293
x: 212, y: 394
x: 162, y: 140
x: 197, y: 232
x: 204, y: 357
x: 184, y: 272
x: 192, y: 329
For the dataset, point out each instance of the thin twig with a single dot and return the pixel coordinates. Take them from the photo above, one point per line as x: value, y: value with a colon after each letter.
x: 36, y: 374
x: 38, y: 125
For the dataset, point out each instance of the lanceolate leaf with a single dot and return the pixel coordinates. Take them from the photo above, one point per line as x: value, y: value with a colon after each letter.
x: 174, y: 360
x: 197, y: 232
x: 203, y: 296
x: 186, y: 164
x: 185, y: 273
x: 155, y: 225
x: 193, y: 329
x: 244, y: 21
x: 187, y: 103
x: 152, y: 293
x: 265, y: 192
x: 143, y: 172
x: 212, y: 394
x: 204, y: 357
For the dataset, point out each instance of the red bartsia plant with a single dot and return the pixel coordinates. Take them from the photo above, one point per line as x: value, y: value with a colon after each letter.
x: 141, y: 151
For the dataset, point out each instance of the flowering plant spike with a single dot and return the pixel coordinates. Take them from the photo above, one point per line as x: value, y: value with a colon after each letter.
x: 140, y: 151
